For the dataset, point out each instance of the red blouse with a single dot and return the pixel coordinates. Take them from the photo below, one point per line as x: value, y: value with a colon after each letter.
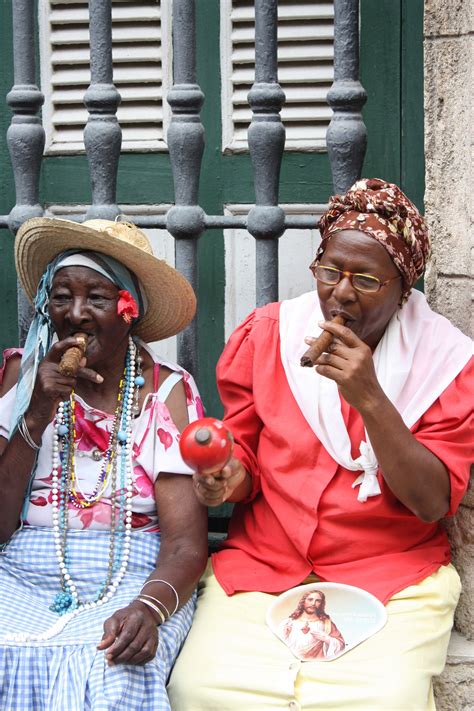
x: 303, y: 515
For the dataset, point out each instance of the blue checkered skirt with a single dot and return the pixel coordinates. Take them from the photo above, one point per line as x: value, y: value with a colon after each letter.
x: 67, y: 672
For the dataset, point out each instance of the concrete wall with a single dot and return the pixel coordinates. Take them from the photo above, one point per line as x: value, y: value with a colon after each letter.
x: 449, y: 205
x: 449, y: 142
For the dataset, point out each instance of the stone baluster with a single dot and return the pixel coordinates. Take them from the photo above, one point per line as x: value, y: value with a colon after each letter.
x: 186, y: 220
x: 25, y: 136
x: 266, y: 138
x: 346, y: 137
x: 102, y: 134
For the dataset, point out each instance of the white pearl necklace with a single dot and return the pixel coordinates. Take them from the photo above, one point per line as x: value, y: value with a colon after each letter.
x: 60, y: 624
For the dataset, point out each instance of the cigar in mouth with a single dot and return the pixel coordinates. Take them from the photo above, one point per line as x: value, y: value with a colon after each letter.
x: 69, y: 363
x: 321, y: 344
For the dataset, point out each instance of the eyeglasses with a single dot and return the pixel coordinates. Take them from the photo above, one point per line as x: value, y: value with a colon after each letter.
x: 365, y: 283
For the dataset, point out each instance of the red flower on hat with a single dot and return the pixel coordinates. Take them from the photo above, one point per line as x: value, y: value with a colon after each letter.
x: 127, y: 307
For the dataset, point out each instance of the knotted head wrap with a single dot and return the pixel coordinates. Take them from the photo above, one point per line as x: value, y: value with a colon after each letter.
x: 382, y: 211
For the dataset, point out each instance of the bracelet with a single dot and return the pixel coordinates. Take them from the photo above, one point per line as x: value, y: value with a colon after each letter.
x: 165, y: 582
x: 25, y: 433
x: 153, y: 607
x: 158, y: 602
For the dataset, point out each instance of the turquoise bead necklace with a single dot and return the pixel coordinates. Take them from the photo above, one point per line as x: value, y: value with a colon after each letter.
x: 118, y: 467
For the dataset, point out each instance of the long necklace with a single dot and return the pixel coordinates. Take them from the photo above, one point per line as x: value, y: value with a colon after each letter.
x: 77, y: 497
x: 63, y: 491
x: 121, y: 525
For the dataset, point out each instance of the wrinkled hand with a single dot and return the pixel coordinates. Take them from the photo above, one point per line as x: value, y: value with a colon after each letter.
x: 350, y: 364
x: 130, y: 635
x: 51, y: 387
x: 213, y: 488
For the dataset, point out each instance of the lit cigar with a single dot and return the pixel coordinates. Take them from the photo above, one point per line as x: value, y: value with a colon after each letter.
x: 69, y: 363
x: 320, y: 345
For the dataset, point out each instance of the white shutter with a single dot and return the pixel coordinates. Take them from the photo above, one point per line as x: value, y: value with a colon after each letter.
x: 296, y: 248
x: 141, y: 52
x: 305, y: 70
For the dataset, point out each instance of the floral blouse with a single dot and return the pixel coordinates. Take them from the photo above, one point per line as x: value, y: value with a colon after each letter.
x: 155, y: 449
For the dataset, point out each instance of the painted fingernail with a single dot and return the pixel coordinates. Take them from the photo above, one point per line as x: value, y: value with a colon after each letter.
x: 99, y: 378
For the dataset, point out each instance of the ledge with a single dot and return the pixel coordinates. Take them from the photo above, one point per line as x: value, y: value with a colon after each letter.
x: 460, y: 650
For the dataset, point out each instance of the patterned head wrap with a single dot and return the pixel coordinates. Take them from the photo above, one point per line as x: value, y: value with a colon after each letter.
x: 384, y: 212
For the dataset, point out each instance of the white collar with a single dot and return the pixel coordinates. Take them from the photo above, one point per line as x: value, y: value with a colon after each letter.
x: 418, y: 356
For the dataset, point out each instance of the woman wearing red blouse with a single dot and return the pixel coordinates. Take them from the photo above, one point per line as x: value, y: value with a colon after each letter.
x: 341, y: 473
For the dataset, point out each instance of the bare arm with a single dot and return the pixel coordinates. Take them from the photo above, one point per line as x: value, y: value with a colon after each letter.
x: 22, y: 456
x: 16, y: 456
x: 414, y: 474
x: 131, y: 634
x: 183, y: 552
x: 16, y: 461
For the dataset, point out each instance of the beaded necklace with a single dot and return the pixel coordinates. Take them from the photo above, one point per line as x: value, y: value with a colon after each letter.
x: 65, y: 485
x: 67, y: 602
x: 76, y: 496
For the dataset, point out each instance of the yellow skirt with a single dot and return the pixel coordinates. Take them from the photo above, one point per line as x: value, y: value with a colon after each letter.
x: 232, y: 661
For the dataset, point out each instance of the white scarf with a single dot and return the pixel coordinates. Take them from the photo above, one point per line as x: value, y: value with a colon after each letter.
x: 418, y: 356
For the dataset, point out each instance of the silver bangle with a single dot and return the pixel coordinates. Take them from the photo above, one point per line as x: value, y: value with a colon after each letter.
x: 152, y: 606
x: 165, y: 582
x: 158, y: 602
x: 25, y: 433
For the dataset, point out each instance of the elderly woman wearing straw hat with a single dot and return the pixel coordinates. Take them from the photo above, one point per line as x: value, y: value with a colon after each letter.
x: 342, y: 473
x: 103, y: 538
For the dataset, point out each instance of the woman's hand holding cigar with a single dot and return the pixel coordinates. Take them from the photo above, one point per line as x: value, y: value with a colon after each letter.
x: 70, y: 361
x: 348, y: 361
x: 320, y: 345
x: 53, y: 385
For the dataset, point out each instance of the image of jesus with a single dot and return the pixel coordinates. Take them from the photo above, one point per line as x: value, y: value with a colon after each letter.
x: 309, y: 632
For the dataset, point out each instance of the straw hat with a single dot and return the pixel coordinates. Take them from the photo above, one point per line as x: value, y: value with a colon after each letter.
x: 171, y: 299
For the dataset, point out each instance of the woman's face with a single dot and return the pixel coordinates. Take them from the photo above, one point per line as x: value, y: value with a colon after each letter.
x: 367, y: 315
x: 82, y: 300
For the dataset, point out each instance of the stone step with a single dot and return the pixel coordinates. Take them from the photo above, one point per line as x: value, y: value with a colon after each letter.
x: 454, y: 688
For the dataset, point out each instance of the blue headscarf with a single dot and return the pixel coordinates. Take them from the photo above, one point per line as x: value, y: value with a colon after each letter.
x: 41, y: 332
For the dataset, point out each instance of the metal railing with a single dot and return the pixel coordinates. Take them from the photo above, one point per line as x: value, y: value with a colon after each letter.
x: 186, y: 220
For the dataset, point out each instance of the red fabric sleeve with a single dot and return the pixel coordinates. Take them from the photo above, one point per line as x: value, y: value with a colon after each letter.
x: 235, y: 384
x: 447, y: 430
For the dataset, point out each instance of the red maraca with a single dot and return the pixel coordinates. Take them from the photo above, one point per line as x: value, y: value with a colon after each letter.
x: 206, y: 445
